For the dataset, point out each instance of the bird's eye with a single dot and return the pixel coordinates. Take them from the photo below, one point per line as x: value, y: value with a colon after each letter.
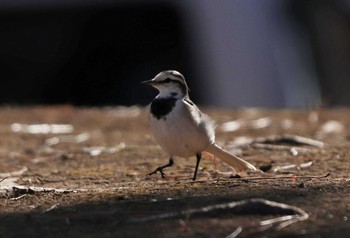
x: 167, y: 80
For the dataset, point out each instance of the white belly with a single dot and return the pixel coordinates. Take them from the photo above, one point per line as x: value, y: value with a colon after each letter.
x: 179, y: 135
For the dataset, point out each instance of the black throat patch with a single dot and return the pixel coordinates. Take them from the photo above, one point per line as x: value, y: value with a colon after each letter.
x: 160, y: 107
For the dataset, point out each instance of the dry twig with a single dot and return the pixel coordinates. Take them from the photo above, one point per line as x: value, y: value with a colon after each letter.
x: 13, y: 174
x: 290, y: 214
x: 294, y: 177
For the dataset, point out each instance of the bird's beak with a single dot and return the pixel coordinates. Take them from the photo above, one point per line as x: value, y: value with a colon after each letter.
x: 149, y: 82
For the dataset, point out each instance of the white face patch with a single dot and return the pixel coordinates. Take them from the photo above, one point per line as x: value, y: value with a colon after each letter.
x: 169, y: 89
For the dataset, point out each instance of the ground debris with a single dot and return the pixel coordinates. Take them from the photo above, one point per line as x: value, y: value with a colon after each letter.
x: 288, y: 140
x: 15, y: 191
x: 97, y: 150
x: 292, y: 166
x: 235, y: 233
x: 82, y: 137
x: 255, y: 206
x: 332, y: 126
x: 294, y: 144
x: 237, y: 124
x: 77, y: 187
x: 14, y: 173
x: 42, y: 128
x: 291, y: 177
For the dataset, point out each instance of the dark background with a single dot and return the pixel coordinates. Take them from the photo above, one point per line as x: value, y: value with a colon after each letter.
x: 86, y: 55
x: 96, y: 54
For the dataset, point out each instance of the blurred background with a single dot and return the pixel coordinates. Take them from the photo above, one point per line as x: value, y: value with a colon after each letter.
x: 233, y: 53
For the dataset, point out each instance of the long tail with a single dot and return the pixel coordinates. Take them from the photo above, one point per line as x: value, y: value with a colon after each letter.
x: 237, y: 163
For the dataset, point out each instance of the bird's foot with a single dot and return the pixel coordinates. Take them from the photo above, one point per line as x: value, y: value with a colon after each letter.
x: 160, y: 170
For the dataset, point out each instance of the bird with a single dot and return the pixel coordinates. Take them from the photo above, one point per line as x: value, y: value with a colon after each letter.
x: 180, y: 128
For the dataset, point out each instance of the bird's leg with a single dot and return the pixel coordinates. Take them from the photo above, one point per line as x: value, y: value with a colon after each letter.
x: 160, y: 169
x: 199, y: 157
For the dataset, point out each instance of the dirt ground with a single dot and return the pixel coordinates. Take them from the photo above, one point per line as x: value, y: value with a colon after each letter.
x: 81, y: 172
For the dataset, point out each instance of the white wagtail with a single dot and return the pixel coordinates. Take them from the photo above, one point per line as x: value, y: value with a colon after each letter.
x: 180, y: 128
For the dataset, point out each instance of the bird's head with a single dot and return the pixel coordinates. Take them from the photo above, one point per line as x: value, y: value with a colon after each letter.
x: 170, y: 83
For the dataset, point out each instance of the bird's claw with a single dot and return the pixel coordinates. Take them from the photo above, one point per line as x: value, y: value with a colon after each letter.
x: 160, y: 170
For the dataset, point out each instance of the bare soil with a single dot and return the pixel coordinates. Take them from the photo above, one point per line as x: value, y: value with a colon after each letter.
x: 101, y: 166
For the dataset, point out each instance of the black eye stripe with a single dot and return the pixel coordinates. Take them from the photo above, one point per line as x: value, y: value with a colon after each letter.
x: 168, y: 80
x: 181, y: 83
